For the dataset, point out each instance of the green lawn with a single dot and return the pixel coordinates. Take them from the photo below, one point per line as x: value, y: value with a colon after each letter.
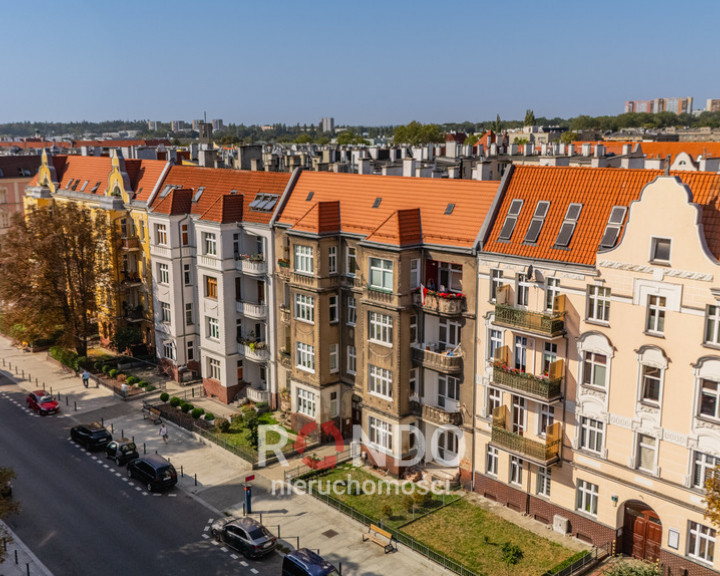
x: 373, y: 503
x: 239, y: 436
x: 474, y: 537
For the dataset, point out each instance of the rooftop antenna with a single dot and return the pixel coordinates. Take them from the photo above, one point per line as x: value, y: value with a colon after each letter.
x: 205, y: 116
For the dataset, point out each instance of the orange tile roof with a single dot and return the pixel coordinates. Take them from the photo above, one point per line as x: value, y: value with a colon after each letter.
x: 219, y: 182
x: 659, y: 149
x: 144, y: 176
x: 357, y: 193
x: 176, y: 202
x: 598, y: 189
x: 322, y: 218
x: 402, y: 228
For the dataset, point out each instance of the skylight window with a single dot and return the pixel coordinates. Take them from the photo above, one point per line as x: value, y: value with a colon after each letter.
x: 538, y: 220
x: 309, y: 196
x: 264, y: 202
x: 166, y: 190
x: 450, y: 208
x: 82, y: 188
x: 376, y: 204
x: 95, y: 188
x: 70, y: 183
x: 197, y: 195
x: 568, y: 226
x: 75, y: 184
x: 612, y: 230
x: 510, y: 220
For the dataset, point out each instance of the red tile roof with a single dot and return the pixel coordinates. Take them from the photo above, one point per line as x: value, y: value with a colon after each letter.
x: 598, y: 190
x: 177, y: 201
x: 322, y: 218
x: 219, y: 182
x: 659, y: 149
x: 398, y: 197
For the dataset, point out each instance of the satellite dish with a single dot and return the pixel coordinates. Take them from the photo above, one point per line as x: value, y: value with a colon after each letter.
x: 529, y: 272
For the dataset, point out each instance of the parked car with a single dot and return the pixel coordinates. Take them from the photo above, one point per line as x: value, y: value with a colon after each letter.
x: 42, y: 402
x: 93, y: 436
x: 153, y: 471
x: 305, y: 562
x: 122, y: 450
x: 246, y: 535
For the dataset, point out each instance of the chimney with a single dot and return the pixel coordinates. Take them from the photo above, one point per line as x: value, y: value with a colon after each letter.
x: 409, y: 167
x: 626, y: 149
x: 364, y: 166
x: 599, y: 151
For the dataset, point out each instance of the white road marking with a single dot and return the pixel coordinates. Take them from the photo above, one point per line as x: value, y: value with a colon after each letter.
x: 254, y: 571
x: 216, y: 543
x: 145, y: 493
x: 125, y: 479
x: 224, y: 549
x: 210, y: 521
x: 243, y: 562
x: 234, y: 556
x: 157, y: 495
x: 172, y: 495
x: 118, y: 474
x: 206, y: 528
x: 138, y: 488
x: 106, y: 466
x: 205, y: 536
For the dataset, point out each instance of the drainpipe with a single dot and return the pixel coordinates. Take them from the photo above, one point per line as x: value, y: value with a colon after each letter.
x: 474, y: 376
x: 182, y: 289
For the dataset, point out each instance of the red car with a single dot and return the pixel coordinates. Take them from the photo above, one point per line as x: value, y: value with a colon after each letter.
x: 43, y: 403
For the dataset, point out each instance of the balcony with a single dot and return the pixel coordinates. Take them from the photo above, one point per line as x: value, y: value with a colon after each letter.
x: 130, y: 243
x: 284, y: 357
x: 161, y: 251
x: 437, y: 415
x: 284, y: 313
x: 449, y: 306
x: 431, y: 357
x: 251, y: 310
x: 210, y: 262
x: 130, y: 280
x: 547, y: 324
x: 257, y: 395
x: 134, y: 314
x: 527, y: 384
x: 253, y: 265
x: 544, y: 453
x: 283, y: 268
x: 255, y: 351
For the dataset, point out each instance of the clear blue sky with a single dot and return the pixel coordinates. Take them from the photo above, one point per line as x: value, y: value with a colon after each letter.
x: 373, y: 62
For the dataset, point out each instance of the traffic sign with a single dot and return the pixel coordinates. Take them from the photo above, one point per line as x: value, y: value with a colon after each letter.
x: 249, y: 478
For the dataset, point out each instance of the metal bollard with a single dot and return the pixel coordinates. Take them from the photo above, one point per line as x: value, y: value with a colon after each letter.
x: 195, y: 478
x: 27, y: 567
x: 112, y: 428
x: 75, y: 402
x: 122, y: 433
x: 16, y: 558
x: 144, y: 450
x: 102, y: 422
x: 23, y: 373
x: 182, y: 473
x: 193, y: 392
x: 67, y: 402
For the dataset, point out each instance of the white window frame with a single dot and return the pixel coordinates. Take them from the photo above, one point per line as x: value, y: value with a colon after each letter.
x: 713, y: 395
x: 380, y: 434
x: 188, y: 313
x: 213, y: 328
x: 592, y: 435
x: 522, y: 290
x: 492, y: 457
x: 333, y: 309
x: 190, y: 350
x: 552, y: 290
x: 350, y: 261
x: 414, y: 273
x: 518, y: 414
x: 214, y: 367
x: 380, y: 274
x: 304, y: 262
x: 333, y: 358
x: 332, y: 260
x: 380, y: 328
x: 448, y: 389
x: 306, y: 402
x: 543, y: 481
x: 380, y: 382
x: 587, y: 497
x: 163, y: 273
x: 701, y: 542
x: 645, y: 442
x: 449, y: 333
x: 646, y: 379
x: 590, y: 367
x: 495, y: 341
x: 712, y: 325
x: 454, y: 277
x: 305, y: 357
x: 351, y: 311
x: 515, y: 476
x: 304, y: 307
x: 703, y: 468
x: 494, y: 400
x: 655, y: 244
x: 187, y: 274
x: 656, y: 309
x: 598, y: 303
x: 161, y: 235
x: 414, y: 329
x: 496, y: 283
x: 169, y: 350
x: 351, y: 360
x: 549, y: 356
x: 546, y: 418
x: 209, y: 243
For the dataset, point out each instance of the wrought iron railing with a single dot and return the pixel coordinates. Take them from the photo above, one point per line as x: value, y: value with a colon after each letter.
x: 528, y: 383
x: 549, y: 324
x: 540, y: 451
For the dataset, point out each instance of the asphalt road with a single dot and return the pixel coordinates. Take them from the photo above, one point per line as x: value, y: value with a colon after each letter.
x: 81, y: 515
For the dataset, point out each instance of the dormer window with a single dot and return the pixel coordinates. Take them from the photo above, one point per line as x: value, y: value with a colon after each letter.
x: 660, y: 250
x: 612, y: 230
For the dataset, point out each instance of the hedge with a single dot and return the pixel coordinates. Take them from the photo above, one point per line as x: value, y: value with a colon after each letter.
x: 132, y: 380
x: 66, y: 357
x: 565, y: 563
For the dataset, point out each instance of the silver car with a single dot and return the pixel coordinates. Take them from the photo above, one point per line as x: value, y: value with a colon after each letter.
x: 245, y: 535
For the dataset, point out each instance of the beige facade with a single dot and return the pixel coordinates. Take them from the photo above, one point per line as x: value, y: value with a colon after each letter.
x: 638, y: 396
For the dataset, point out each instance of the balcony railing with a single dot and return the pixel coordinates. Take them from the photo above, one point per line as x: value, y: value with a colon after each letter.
x: 428, y: 356
x: 527, y: 383
x: 251, y: 310
x: 439, y: 305
x: 546, y: 452
x: 130, y: 243
x: 379, y: 295
x: 435, y: 414
x: 162, y: 251
x: 256, y: 351
x: 256, y: 395
x: 284, y: 357
x: 253, y: 265
x: 548, y: 324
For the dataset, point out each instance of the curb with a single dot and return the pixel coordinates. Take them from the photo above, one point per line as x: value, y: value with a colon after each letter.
x: 35, y: 562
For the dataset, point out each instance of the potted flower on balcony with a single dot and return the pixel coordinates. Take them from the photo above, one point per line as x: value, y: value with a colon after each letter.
x: 284, y: 262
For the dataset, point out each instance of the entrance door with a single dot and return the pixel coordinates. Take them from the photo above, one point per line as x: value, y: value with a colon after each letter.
x: 642, y: 532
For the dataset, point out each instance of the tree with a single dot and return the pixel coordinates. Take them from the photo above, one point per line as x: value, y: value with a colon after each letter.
x: 347, y: 137
x: 498, y: 125
x: 60, y: 256
x: 712, y: 497
x: 416, y: 133
x: 304, y: 139
x: 126, y: 337
x: 251, y: 422
x: 8, y: 506
x: 568, y: 137
x: 511, y: 555
x: 529, y: 118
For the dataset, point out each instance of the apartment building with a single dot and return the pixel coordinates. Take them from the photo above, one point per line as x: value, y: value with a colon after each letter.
x: 119, y: 190
x: 598, y: 409
x: 375, y: 280
x: 211, y: 244
x: 15, y: 173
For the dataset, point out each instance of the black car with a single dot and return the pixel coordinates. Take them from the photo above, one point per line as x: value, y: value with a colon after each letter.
x: 304, y: 562
x: 92, y: 436
x: 246, y: 535
x: 153, y: 471
x: 122, y: 450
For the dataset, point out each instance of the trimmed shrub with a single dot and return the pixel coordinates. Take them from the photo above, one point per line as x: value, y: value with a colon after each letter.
x: 164, y: 396
x: 150, y: 388
x: 66, y: 357
x: 143, y: 383
x: 262, y: 407
x: 197, y: 412
x: 106, y: 368
x: 186, y: 407
x: 209, y: 416
x: 113, y: 373
x: 222, y: 424
x: 132, y: 380
x: 81, y: 362
x: 174, y: 401
x: 565, y: 563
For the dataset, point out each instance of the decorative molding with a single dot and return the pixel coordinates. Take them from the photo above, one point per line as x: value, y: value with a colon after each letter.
x: 645, y: 269
x: 572, y: 276
x: 622, y: 421
x: 675, y: 437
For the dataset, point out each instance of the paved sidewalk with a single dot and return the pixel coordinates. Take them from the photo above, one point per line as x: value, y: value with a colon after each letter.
x: 216, y: 477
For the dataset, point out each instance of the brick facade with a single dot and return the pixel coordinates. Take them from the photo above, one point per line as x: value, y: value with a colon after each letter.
x: 215, y: 389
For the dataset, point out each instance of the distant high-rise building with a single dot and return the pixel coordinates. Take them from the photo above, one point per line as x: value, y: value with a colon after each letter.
x: 327, y: 125
x: 153, y: 125
x: 196, y: 124
x: 713, y: 105
x: 675, y: 105
x: 178, y: 125
x: 217, y: 124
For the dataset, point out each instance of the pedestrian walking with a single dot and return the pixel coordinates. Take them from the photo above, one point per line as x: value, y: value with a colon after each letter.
x: 86, y: 378
x: 163, y: 432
